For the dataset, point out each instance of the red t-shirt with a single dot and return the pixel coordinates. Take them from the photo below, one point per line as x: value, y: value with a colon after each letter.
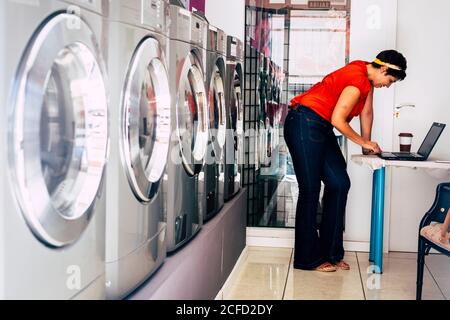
x: 323, y: 96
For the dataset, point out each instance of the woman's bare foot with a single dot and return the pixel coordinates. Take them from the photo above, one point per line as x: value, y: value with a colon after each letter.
x: 326, y: 267
x: 342, y: 265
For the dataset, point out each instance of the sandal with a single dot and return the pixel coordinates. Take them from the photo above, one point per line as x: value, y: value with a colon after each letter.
x: 342, y: 265
x: 326, y: 267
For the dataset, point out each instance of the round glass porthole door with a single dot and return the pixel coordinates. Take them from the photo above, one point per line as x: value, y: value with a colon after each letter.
x: 237, y: 117
x: 218, y: 110
x: 146, y: 120
x: 192, y: 116
x: 58, y: 138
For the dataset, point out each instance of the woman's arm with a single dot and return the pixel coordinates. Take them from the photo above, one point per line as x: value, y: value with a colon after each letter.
x: 347, y: 101
x: 366, y: 119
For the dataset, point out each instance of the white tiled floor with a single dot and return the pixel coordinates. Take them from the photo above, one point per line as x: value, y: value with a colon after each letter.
x: 266, y: 267
x: 439, y: 267
x: 268, y: 274
x: 398, y: 281
x: 307, y: 285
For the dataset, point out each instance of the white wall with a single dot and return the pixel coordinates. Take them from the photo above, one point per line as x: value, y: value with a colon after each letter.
x: 227, y: 15
x: 373, y: 29
x: 424, y: 38
x: 3, y: 140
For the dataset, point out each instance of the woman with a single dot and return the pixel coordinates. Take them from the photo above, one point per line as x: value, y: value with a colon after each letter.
x: 308, y: 131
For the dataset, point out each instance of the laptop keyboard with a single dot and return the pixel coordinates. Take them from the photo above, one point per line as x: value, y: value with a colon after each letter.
x: 387, y: 154
x: 409, y: 155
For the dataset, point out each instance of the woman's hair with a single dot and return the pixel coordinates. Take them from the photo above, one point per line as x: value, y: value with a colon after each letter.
x: 395, y: 58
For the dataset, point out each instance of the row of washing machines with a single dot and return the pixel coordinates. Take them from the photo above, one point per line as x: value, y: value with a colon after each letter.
x: 270, y: 83
x: 121, y: 134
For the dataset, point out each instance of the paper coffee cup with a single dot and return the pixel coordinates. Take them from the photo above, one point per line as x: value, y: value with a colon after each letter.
x: 405, y: 141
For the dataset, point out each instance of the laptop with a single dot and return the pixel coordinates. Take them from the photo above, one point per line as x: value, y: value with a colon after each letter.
x: 425, y: 149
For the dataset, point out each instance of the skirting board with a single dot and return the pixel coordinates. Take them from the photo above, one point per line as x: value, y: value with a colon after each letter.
x: 284, y: 238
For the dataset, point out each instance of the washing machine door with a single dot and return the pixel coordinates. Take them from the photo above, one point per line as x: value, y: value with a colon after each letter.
x: 145, y: 129
x: 217, y: 110
x: 192, y: 116
x: 59, y: 130
x: 237, y: 118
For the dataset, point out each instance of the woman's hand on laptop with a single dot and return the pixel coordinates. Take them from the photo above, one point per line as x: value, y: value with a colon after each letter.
x: 370, y: 147
x: 366, y: 152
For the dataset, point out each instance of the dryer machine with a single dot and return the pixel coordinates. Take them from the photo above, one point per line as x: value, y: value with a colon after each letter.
x: 213, y: 182
x: 190, y: 126
x: 234, y: 147
x: 140, y: 133
x: 54, y: 136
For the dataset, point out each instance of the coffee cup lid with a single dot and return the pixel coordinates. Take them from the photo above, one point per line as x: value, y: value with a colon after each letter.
x: 404, y: 134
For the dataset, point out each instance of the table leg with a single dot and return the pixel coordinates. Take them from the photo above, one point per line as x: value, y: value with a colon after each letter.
x: 372, y: 217
x: 379, y: 219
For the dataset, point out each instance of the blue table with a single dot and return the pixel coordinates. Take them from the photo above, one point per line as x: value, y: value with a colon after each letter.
x: 378, y: 186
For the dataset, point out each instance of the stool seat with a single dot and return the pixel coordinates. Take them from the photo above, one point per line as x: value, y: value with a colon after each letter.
x: 433, y: 233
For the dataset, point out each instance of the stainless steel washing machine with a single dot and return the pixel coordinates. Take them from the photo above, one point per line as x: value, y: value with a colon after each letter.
x: 140, y: 134
x: 212, y: 183
x: 234, y: 145
x: 190, y: 132
x: 54, y: 140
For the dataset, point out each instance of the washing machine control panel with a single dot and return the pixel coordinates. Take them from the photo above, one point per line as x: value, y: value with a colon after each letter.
x: 199, y: 31
x: 212, y: 38
x: 154, y: 13
x: 234, y: 48
x: 217, y: 40
x: 221, y: 42
x: 94, y: 5
x: 180, y: 23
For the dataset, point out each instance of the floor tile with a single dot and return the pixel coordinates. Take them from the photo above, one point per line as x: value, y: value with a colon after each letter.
x: 313, y: 285
x: 398, y: 281
x: 402, y: 255
x: 268, y: 274
x: 439, y: 267
x: 262, y: 276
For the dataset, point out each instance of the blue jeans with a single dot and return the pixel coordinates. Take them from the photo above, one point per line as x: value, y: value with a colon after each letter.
x: 317, y: 157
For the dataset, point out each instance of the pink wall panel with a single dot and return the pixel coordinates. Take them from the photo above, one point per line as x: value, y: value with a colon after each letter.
x: 197, y: 4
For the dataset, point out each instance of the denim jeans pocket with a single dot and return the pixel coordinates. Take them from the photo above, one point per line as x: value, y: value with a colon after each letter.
x: 294, y: 126
x: 317, y: 130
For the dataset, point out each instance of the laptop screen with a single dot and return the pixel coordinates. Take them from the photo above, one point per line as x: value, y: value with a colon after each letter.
x: 431, y: 139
